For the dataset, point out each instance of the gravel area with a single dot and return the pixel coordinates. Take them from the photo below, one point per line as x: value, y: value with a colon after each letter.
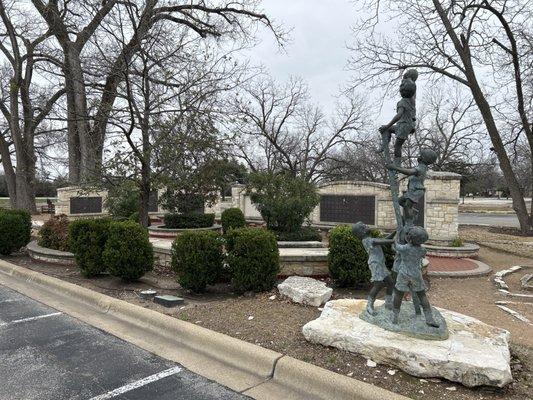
x: 508, y: 240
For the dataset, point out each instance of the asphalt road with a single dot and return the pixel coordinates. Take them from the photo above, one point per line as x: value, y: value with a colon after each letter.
x: 507, y: 220
x: 48, y: 355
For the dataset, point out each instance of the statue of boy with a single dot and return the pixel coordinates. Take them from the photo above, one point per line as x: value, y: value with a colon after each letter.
x: 381, y: 276
x: 415, y: 186
x: 404, y: 122
x: 410, y: 273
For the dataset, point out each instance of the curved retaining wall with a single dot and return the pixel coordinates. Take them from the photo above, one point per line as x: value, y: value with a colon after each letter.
x: 165, y: 233
x: 39, y: 253
x: 468, y: 250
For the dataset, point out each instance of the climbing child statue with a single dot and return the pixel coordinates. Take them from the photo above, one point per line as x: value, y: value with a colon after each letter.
x: 381, y: 276
x: 403, y: 123
x: 415, y: 186
x: 410, y: 273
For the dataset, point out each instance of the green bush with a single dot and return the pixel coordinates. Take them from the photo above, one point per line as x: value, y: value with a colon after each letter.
x: 457, y: 242
x: 253, y: 259
x: 54, y: 233
x: 283, y: 200
x: 197, y: 259
x: 232, y: 218
x: 128, y: 252
x: 122, y: 201
x: 304, y: 234
x: 188, y: 221
x: 15, y: 230
x: 347, y: 258
x: 87, y: 239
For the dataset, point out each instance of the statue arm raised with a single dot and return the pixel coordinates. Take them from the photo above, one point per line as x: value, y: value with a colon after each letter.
x: 405, y: 171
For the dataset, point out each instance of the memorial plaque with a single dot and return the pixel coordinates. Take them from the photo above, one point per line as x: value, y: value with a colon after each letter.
x: 152, y: 202
x: 85, y: 205
x: 348, y: 209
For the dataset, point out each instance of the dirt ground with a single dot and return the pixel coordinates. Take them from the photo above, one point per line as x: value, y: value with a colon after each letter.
x: 271, y: 321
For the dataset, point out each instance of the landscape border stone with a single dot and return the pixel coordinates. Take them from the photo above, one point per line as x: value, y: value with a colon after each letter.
x: 40, y: 253
x: 482, y: 269
x: 239, y: 365
x: 156, y: 231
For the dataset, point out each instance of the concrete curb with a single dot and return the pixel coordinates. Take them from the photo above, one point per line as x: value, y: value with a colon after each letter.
x: 253, y: 370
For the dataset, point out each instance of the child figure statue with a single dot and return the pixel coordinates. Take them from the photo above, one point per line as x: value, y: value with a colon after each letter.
x: 381, y: 276
x: 403, y: 123
x: 410, y: 273
x: 415, y: 185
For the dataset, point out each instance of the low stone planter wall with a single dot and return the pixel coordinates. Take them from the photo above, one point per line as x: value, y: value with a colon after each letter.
x: 468, y: 250
x: 301, y: 245
x: 301, y: 262
x: 166, y: 233
x: 39, y: 253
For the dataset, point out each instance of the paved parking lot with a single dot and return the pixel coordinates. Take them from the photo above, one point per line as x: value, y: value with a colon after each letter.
x: 48, y: 355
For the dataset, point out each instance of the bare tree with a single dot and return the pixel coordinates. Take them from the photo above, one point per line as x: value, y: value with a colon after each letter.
x: 23, y: 104
x: 75, y: 26
x: 481, y: 44
x: 276, y: 128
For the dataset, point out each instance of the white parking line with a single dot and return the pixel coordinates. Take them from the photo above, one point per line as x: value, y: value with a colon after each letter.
x: 9, y: 301
x: 18, y: 321
x: 137, y: 384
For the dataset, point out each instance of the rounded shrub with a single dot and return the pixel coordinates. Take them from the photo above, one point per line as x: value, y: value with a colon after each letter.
x: 54, y: 233
x: 188, y: 221
x: 14, y: 231
x: 304, y: 234
x: 232, y: 218
x: 128, y: 252
x: 253, y: 259
x: 197, y: 259
x: 347, y: 258
x: 87, y: 239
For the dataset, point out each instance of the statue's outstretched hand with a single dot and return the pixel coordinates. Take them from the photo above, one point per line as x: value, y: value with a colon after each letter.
x: 383, y: 128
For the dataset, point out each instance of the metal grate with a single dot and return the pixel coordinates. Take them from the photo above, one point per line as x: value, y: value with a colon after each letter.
x: 348, y: 209
x: 85, y: 205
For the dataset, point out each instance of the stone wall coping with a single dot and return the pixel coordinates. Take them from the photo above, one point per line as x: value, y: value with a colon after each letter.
x: 354, y: 183
x: 443, y: 201
x: 444, y: 175
x: 33, y: 246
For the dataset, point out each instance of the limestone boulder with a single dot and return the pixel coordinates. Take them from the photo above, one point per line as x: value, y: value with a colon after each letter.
x: 305, y: 290
x: 474, y: 354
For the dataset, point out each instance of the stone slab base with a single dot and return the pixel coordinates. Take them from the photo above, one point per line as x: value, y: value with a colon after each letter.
x: 474, y: 354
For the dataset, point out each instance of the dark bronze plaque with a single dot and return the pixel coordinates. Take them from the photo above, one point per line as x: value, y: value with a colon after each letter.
x: 348, y: 209
x: 421, y: 209
x: 85, y: 205
x: 152, y: 202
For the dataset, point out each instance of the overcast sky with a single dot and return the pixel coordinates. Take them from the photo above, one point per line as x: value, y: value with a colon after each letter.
x: 317, y: 51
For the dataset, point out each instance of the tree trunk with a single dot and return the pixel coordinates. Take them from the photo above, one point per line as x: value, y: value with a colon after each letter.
x: 519, y: 204
x: 144, y: 201
x: 25, y: 181
x: 9, y: 172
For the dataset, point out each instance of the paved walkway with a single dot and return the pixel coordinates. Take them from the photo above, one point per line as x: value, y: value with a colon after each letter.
x: 47, y: 355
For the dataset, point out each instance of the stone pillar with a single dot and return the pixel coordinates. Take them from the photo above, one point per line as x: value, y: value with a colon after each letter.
x: 442, y: 205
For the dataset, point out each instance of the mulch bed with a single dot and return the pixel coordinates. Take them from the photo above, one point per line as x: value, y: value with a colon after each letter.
x: 274, y: 322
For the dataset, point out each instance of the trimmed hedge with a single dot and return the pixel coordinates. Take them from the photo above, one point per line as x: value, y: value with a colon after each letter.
x: 128, y: 252
x: 197, y: 259
x: 188, y: 221
x: 232, y: 218
x: 347, y: 258
x: 54, y: 233
x: 304, y: 234
x: 87, y: 239
x: 253, y: 259
x: 15, y: 230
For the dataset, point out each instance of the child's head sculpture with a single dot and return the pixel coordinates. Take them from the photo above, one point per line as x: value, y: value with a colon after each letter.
x: 416, y: 235
x: 427, y: 156
x: 408, y: 85
x: 360, y: 230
